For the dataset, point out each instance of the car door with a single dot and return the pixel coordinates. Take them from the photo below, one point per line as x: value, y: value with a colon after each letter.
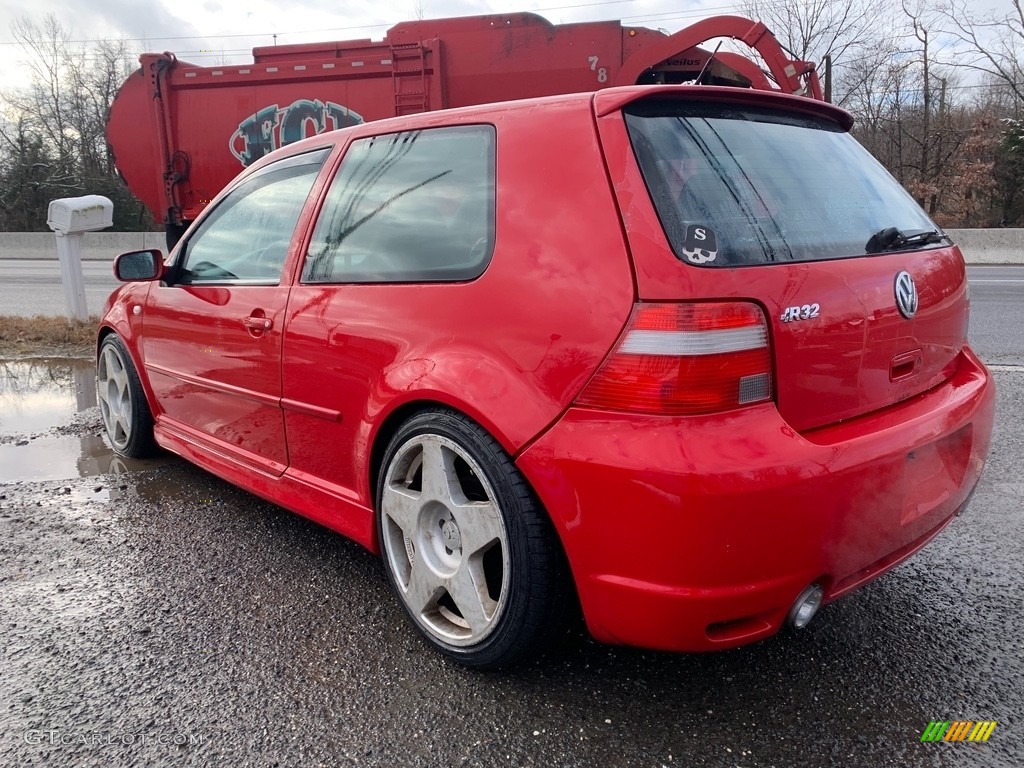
x: 212, y: 341
x: 406, y: 222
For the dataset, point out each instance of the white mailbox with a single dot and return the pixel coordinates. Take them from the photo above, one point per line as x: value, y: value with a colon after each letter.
x: 70, y: 218
x: 88, y: 213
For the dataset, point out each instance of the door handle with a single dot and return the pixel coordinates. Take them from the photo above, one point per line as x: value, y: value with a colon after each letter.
x: 254, y: 323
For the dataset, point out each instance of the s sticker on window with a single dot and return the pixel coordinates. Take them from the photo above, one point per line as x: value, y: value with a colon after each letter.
x: 700, y: 245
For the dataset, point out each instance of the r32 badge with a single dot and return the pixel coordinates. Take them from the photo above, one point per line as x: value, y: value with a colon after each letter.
x: 700, y: 246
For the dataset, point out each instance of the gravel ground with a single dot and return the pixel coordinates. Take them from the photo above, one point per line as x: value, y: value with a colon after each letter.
x: 164, y: 617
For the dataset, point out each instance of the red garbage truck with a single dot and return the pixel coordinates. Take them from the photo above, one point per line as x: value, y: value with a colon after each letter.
x: 180, y: 132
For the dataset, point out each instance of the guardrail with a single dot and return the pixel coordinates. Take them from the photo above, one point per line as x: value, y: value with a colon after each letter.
x: 980, y: 246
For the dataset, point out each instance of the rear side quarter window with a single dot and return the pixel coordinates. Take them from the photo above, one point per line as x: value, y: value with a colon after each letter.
x: 415, y: 206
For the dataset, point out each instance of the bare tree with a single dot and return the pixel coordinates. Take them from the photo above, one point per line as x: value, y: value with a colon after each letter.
x: 991, y: 43
x: 814, y: 29
x: 45, y: 101
x: 862, y: 78
x: 53, y: 135
x: 830, y: 32
x: 920, y: 24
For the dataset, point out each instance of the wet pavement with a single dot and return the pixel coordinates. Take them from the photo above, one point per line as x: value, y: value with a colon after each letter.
x: 49, y: 425
x: 151, y: 614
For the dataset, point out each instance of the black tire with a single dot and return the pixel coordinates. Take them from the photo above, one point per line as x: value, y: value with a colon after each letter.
x: 491, y: 535
x: 123, y: 405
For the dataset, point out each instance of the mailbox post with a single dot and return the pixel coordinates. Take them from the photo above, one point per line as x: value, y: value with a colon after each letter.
x: 69, y: 218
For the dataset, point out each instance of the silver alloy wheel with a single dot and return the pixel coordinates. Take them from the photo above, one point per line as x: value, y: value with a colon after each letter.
x: 444, y: 540
x: 114, y: 393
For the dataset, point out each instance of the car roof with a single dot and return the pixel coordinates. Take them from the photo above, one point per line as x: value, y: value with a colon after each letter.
x: 603, y: 102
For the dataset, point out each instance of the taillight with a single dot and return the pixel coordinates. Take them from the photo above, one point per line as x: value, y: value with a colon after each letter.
x: 684, y: 359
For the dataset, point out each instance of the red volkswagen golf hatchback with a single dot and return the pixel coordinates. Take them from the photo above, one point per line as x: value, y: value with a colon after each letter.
x: 686, y: 356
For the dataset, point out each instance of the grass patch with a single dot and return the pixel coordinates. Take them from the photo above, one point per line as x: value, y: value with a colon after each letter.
x: 41, y: 336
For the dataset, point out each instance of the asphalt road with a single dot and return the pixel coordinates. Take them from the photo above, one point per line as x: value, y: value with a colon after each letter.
x: 997, y: 313
x: 164, y: 617
x: 30, y: 287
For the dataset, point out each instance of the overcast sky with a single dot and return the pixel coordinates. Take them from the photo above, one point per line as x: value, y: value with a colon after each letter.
x: 225, y: 31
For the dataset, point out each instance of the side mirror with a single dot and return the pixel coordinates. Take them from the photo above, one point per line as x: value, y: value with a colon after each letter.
x: 139, y: 266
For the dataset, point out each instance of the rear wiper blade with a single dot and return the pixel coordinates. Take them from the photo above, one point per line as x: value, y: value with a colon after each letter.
x: 895, y: 239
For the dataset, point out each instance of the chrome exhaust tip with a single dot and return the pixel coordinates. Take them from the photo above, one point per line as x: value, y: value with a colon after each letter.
x: 805, y: 607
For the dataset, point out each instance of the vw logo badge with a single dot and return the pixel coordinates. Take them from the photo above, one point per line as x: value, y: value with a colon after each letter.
x: 906, y: 295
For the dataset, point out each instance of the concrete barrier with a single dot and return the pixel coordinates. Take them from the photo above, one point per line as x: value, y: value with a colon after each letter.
x: 96, y: 246
x: 980, y: 246
x: 990, y: 246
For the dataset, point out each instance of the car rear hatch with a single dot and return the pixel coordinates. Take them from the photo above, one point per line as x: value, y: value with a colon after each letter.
x: 756, y: 197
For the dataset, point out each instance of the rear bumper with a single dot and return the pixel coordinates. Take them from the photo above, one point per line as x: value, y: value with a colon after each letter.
x: 695, y: 534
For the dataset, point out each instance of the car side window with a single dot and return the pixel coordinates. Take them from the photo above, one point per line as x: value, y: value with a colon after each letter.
x: 246, y: 237
x: 416, y: 206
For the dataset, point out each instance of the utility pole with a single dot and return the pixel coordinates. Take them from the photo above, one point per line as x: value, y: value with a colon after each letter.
x: 828, y: 77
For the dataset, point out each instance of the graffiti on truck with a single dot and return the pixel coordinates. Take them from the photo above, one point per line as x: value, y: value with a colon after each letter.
x: 273, y: 127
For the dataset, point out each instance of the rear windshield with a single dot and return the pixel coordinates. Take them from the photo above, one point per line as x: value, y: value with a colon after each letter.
x: 738, y: 185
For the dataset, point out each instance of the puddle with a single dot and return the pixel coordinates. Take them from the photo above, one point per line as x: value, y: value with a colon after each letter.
x: 65, y: 458
x: 39, y: 398
x: 37, y: 395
